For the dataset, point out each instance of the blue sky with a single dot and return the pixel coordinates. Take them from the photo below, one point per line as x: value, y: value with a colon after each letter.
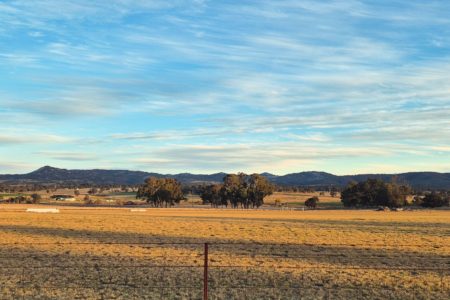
x: 344, y: 86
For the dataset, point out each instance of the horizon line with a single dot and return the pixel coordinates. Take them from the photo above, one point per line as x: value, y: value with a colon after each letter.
x: 186, y: 172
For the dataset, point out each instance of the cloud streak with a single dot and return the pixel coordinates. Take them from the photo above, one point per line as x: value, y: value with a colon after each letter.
x: 193, y: 82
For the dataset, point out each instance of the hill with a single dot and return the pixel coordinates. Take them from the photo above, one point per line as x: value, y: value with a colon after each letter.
x: 47, y: 174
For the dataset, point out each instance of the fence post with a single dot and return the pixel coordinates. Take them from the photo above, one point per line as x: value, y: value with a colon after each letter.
x: 205, y: 274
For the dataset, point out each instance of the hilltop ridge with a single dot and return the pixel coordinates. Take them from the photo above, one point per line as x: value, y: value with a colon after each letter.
x: 48, y: 174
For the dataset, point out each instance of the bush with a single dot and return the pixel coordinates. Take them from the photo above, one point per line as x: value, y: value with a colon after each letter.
x: 312, y: 202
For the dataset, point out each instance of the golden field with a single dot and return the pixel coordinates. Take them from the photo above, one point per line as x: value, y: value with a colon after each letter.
x: 284, y: 199
x: 113, y: 253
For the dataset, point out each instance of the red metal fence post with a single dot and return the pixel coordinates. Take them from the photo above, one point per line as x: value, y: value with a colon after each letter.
x: 205, y: 274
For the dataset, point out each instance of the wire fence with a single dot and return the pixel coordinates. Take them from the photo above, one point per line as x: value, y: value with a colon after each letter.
x: 122, y: 270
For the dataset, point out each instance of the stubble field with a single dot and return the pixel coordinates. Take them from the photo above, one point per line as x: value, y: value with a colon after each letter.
x: 113, y: 253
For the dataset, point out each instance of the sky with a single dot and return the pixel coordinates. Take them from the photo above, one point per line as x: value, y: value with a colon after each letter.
x: 342, y: 86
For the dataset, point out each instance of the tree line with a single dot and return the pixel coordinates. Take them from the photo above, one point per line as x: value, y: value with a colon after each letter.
x: 238, y: 190
x: 13, y: 188
x: 376, y: 192
x: 432, y: 199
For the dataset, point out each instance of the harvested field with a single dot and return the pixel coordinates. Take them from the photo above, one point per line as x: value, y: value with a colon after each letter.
x: 113, y: 253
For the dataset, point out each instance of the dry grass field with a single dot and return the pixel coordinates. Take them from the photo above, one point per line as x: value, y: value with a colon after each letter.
x: 285, y: 199
x: 113, y: 253
x: 292, y: 199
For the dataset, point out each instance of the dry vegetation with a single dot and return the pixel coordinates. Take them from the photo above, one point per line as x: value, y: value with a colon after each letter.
x: 280, y: 199
x: 298, y: 199
x: 100, y: 253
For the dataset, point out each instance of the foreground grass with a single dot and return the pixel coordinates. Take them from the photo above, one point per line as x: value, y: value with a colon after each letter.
x: 114, y: 253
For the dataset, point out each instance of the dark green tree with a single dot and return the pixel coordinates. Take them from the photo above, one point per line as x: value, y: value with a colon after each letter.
x: 312, y: 202
x: 375, y: 192
x: 435, y: 199
x: 211, y: 195
x: 244, y: 190
x: 258, y: 188
x: 35, y: 198
x: 161, y: 191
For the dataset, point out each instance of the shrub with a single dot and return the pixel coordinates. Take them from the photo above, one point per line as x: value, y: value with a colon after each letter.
x: 312, y: 202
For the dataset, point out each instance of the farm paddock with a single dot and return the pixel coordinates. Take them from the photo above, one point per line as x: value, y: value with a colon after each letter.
x: 114, y: 253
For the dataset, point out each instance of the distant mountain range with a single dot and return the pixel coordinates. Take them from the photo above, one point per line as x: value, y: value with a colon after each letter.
x: 423, y: 180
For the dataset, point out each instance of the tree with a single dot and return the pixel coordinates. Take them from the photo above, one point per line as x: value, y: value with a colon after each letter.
x: 93, y: 191
x: 333, y: 191
x: 312, y: 202
x: 245, y: 190
x: 435, y: 199
x: 161, y: 191
x: 211, y: 195
x: 19, y: 199
x: 36, y: 198
x: 351, y: 195
x: 374, y: 192
x: 230, y: 192
x: 258, y: 188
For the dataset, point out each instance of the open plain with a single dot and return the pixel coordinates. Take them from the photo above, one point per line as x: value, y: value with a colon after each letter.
x: 115, y: 253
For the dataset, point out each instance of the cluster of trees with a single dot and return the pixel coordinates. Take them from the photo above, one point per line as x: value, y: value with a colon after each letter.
x: 28, y: 199
x: 14, y: 188
x: 21, y: 188
x: 375, y: 192
x: 161, y: 191
x: 197, y: 189
x: 433, y: 199
x: 238, y: 190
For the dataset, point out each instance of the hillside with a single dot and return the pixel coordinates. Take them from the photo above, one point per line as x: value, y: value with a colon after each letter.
x: 424, y: 180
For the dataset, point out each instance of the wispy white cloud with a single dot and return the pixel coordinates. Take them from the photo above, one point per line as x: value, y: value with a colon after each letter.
x: 252, y: 157
x: 12, y: 167
x: 75, y: 102
x: 69, y: 156
x: 28, y: 138
x: 305, y: 81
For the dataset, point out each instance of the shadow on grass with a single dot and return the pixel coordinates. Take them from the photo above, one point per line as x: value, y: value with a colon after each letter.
x: 361, y: 224
x: 98, y: 277
x: 349, y: 256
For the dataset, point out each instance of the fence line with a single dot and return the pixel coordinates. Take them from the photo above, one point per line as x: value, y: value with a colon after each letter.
x: 209, y: 263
